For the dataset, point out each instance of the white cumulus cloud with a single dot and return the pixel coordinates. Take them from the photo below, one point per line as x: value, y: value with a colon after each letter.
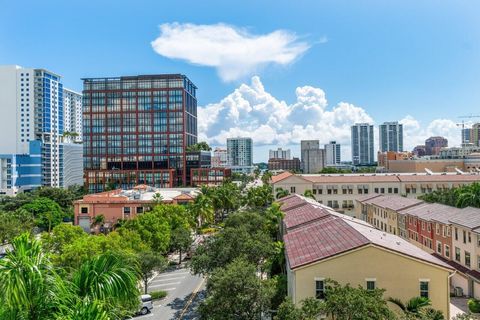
x: 251, y: 111
x: 234, y: 52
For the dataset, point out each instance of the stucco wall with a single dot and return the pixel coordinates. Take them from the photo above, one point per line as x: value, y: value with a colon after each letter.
x: 399, y: 275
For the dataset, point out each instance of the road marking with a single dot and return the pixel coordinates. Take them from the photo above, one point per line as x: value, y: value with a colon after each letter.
x: 168, y: 279
x: 194, y: 294
x: 165, y: 289
x: 172, y: 274
x: 164, y: 284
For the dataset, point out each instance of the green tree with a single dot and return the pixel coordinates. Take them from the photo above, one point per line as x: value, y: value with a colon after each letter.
x: 157, y: 198
x: 202, y: 209
x: 281, y: 193
x: 107, y: 278
x: 47, y: 212
x: 29, y: 286
x: 222, y: 248
x: 150, y: 263
x: 62, y: 235
x: 259, y: 197
x: 153, y: 230
x: 14, y: 223
x: 416, y: 308
x: 236, y: 292
x: 346, y: 302
x: 310, y: 309
x: 309, y: 194
x: 200, y: 146
x: 469, y: 196
x: 181, y: 241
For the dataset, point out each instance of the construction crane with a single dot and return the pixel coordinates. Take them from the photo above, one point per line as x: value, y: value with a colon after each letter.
x: 462, y: 124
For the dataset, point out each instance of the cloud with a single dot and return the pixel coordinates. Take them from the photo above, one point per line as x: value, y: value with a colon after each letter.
x: 252, y: 111
x: 234, y: 52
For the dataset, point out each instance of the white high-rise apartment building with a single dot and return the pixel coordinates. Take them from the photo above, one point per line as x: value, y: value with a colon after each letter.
x: 32, y: 122
x: 391, y: 136
x: 220, y: 158
x: 72, y: 104
x: 279, y: 154
x: 362, y: 144
x: 332, y: 154
x: 240, y: 154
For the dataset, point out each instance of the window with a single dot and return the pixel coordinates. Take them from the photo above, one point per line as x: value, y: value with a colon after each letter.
x: 439, y: 247
x: 126, y: 210
x: 370, y: 284
x: 320, y: 289
x: 395, y: 190
x: 469, y: 237
x: 424, y: 288
x: 376, y: 190
x: 292, y: 189
x: 457, y: 254
x: 464, y: 236
x: 478, y: 262
x: 467, y: 258
x: 139, y: 209
x: 447, y: 251
x: 456, y: 234
x: 84, y: 210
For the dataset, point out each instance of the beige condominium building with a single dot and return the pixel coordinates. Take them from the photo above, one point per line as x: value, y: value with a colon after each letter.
x: 322, y: 244
x: 339, y: 191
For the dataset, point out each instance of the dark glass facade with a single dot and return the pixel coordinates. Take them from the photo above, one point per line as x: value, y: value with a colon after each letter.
x: 136, y: 130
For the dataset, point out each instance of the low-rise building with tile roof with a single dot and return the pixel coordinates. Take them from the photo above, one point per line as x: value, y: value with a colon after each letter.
x: 322, y: 244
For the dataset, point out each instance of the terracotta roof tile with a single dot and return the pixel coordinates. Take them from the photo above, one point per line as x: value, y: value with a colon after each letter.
x: 281, y: 176
x: 393, y: 202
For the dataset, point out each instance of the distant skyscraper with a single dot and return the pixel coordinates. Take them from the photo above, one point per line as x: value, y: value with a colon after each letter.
x: 391, y: 136
x: 466, y: 135
x: 475, y: 134
x: 137, y: 129
x: 332, y: 153
x: 239, y: 152
x: 72, y: 105
x: 279, y: 154
x: 434, y: 144
x: 419, y: 151
x: 362, y: 144
x: 32, y: 109
x: 312, y: 157
x: 220, y: 158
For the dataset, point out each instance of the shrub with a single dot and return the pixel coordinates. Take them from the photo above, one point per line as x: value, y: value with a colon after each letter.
x: 158, y: 294
x: 207, y: 230
x: 474, y: 305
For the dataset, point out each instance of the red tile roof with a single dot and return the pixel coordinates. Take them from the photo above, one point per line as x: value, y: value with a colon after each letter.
x: 297, y: 216
x: 281, y: 176
x: 319, y: 240
x: 327, y: 234
x: 393, y: 202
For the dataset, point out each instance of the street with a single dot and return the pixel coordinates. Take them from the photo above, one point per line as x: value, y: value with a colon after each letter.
x: 179, y: 304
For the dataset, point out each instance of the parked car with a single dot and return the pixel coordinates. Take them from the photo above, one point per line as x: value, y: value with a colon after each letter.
x: 147, y: 305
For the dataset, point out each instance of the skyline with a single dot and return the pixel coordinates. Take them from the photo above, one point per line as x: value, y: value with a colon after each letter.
x: 315, y: 83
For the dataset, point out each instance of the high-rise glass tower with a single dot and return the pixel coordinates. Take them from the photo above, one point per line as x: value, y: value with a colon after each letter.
x: 239, y: 152
x: 362, y: 144
x: 32, y: 108
x: 391, y: 136
x: 136, y: 130
x: 332, y: 154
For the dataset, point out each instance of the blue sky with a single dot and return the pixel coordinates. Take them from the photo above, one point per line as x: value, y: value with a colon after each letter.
x: 418, y: 62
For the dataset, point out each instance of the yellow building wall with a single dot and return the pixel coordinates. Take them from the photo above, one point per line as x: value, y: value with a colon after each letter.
x: 398, y: 275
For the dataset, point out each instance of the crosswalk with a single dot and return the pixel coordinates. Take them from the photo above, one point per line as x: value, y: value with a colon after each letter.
x: 167, y: 281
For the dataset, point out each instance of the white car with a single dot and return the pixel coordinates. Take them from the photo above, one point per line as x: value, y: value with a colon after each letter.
x: 147, y: 304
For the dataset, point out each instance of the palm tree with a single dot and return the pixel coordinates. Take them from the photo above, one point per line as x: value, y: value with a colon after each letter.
x: 280, y: 193
x: 203, y: 210
x: 309, y: 194
x: 413, y: 307
x: 469, y: 196
x: 29, y: 286
x: 108, y: 279
x: 157, y: 198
